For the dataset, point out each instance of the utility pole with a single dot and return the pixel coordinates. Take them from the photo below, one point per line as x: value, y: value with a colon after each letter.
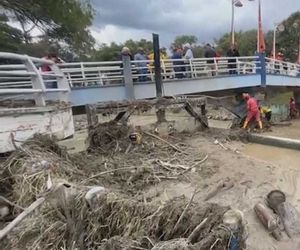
x: 160, y: 112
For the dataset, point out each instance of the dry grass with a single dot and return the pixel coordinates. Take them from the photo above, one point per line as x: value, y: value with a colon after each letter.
x: 118, y: 221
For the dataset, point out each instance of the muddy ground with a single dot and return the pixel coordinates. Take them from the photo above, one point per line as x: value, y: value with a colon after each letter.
x: 255, y: 169
x: 191, y: 162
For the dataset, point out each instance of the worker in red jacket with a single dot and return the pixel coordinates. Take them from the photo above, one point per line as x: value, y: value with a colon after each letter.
x: 252, y: 111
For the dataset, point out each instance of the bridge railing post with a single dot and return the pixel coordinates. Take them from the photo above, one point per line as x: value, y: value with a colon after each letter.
x: 216, y: 66
x: 263, y: 74
x: 191, y: 68
x: 261, y: 68
x: 128, y: 80
x: 83, y: 74
x: 62, y: 82
x: 37, y: 81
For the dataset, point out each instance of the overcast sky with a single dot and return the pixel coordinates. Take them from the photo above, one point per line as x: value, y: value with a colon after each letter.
x: 120, y: 20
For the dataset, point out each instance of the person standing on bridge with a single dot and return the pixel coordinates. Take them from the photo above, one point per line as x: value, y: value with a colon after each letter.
x: 232, y: 65
x: 142, y: 68
x: 188, y: 55
x: 178, y: 65
x: 252, y: 111
x: 125, y: 52
x: 45, y: 68
x: 210, y: 53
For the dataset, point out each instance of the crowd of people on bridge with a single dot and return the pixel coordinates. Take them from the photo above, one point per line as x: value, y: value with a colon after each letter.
x: 180, y: 63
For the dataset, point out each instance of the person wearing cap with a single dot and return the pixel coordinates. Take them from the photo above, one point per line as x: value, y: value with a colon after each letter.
x: 125, y: 52
x: 188, y: 55
x: 252, y: 111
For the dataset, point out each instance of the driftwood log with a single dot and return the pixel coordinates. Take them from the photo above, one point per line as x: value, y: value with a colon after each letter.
x: 268, y: 219
x: 127, y: 107
x: 222, y: 186
x: 290, y: 218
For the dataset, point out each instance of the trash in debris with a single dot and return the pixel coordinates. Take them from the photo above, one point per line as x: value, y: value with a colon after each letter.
x: 268, y: 219
x: 109, y: 137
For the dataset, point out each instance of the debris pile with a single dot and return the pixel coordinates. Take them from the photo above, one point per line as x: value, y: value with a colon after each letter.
x: 112, y: 220
x: 133, y: 166
x: 77, y: 225
x: 109, y: 136
x: 25, y: 173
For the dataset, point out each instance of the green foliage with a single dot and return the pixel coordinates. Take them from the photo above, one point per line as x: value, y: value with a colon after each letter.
x: 143, y: 43
x: 112, y: 51
x: 198, y: 51
x: 10, y: 38
x: 288, y: 40
x: 108, y: 53
x: 180, y: 40
x: 246, y: 43
x: 60, y: 21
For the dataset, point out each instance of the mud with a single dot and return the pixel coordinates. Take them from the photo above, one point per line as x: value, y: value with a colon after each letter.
x: 155, y: 174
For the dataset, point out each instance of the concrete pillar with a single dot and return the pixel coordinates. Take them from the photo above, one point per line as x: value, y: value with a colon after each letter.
x: 127, y: 73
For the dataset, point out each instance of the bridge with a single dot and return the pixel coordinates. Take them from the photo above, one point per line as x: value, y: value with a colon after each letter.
x: 84, y: 83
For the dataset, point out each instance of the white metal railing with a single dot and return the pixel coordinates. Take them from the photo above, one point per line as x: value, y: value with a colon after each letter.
x: 107, y: 73
x: 93, y: 73
x: 20, y: 75
x: 24, y: 72
x: 274, y: 66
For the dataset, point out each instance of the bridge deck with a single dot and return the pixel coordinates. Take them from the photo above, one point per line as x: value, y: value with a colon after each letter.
x: 91, y: 82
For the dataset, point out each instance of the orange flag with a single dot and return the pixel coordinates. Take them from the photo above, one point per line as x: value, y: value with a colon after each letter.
x: 261, y: 46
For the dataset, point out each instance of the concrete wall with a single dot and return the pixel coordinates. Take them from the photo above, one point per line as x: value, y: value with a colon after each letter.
x: 280, y: 112
x: 23, y: 123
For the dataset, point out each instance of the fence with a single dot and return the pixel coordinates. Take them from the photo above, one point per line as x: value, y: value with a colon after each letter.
x: 108, y: 73
x: 20, y: 75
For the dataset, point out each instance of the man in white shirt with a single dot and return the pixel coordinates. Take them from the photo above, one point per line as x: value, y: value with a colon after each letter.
x: 188, y: 51
x: 188, y: 55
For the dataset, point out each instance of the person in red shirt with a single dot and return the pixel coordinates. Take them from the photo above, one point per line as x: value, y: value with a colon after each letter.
x: 252, y: 111
x: 292, y: 108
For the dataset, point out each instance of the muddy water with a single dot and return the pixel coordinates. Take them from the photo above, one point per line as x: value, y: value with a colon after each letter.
x: 286, y: 168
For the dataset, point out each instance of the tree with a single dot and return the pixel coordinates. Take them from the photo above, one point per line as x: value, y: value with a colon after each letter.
x: 10, y: 38
x: 143, y: 43
x: 288, y: 40
x: 180, y: 40
x: 60, y: 21
x: 108, y: 53
x: 112, y: 52
x: 246, y: 42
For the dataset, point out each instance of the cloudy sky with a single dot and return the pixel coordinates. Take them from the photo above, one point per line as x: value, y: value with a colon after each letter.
x: 119, y: 20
